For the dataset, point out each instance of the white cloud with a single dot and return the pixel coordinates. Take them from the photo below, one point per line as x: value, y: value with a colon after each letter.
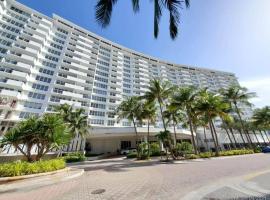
x: 262, y: 87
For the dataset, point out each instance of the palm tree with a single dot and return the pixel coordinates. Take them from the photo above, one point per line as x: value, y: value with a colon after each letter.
x: 104, y: 10
x: 211, y: 106
x: 175, y: 116
x: 149, y: 113
x: 131, y: 109
x: 236, y: 95
x: 184, y: 99
x: 261, y: 117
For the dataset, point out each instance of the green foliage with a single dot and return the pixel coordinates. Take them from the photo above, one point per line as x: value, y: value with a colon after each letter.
x: 87, y: 154
x: 258, y: 150
x: 47, y: 133
x: 184, y: 147
x: 143, y: 151
x: 236, y: 152
x: 206, y: 155
x: 155, y: 149
x: 75, y: 157
x: 191, y: 156
x: 132, y: 155
x: 25, y: 168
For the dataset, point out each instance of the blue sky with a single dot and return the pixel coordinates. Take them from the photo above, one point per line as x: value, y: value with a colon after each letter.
x: 229, y: 35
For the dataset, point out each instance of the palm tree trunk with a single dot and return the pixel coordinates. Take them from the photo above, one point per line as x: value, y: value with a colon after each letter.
x: 266, y: 136
x: 175, y: 138
x: 258, y: 142
x: 205, y: 139
x: 244, y: 142
x: 148, y: 138
x: 136, y: 132
x: 214, y: 140
x: 192, y: 134
x: 241, y: 121
x: 215, y: 133
x: 162, y: 117
x: 263, y: 138
x: 231, y: 142
x: 235, y: 142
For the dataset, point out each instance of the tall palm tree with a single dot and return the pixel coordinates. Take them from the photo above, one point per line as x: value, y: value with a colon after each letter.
x: 159, y: 91
x: 261, y: 117
x: 184, y: 99
x: 211, y: 106
x: 131, y: 109
x: 236, y: 95
x: 175, y: 116
x: 104, y: 10
x: 149, y: 113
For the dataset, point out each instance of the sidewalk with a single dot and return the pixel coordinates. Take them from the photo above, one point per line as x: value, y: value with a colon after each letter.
x: 37, y: 182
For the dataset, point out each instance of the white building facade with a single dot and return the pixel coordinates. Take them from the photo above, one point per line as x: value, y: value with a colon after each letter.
x: 50, y: 61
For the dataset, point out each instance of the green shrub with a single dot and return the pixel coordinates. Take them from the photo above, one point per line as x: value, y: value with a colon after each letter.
x: 206, y: 155
x: 155, y: 149
x: 74, y: 157
x: 258, y: 150
x: 236, y: 152
x: 143, y: 151
x: 191, y: 156
x: 19, y: 168
x: 132, y: 155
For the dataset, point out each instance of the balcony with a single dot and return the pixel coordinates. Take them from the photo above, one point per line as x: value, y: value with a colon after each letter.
x: 14, y: 83
x: 76, y: 87
x: 9, y: 93
x: 71, y: 94
x: 75, y: 79
x: 77, y: 104
x: 19, y: 74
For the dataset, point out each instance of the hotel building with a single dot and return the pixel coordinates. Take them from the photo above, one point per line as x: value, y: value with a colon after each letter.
x: 50, y: 61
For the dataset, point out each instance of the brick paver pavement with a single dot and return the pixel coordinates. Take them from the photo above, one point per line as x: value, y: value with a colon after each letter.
x: 124, y: 179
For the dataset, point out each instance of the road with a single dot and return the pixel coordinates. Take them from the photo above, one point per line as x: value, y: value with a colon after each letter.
x: 239, y: 177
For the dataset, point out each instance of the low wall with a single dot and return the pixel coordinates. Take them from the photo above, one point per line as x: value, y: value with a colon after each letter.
x: 11, y: 158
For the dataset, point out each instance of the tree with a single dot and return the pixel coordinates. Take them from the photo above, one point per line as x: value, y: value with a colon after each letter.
x: 131, y: 109
x: 175, y: 116
x: 184, y: 99
x: 159, y: 92
x: 211, y: 106
x: 261, y: 117
x: 74, y: 118
x: 236, y: 95
x: 46, y: 133
x: 104, y: 10
x: 149, y: 113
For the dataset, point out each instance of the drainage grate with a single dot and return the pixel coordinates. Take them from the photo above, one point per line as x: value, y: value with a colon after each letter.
x: 98, y: 191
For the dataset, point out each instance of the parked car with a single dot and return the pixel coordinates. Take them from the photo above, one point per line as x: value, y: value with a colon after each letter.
x: 266, y: 149
x: 127, y: 151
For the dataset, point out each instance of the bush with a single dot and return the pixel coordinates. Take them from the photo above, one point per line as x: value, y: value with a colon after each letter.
x: 132, y: 155
x: 191, y: 156
x: 236, y: 152
x: 155, y: 149
x: 74, y: 157
x: 19, y: 168
x: 143, y: 151
x: 206, y: 155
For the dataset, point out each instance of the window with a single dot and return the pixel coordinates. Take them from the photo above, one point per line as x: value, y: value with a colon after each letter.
x: 25, y: 115
x: 97, y: 121
x: 103, y: 68
x: 126, y: 91
x: 110, y: 122
x: 102, y: 73
x: 46, y: 71
x: 43, y: 79
x: 56, y: 46
x: 36, y: 95
x: 48, y: 64
x: 33, y: 105
x: 103, y: 63
x: 97, y: 113
x: 100, y: 85
x: 126, y: 124
x: 51, y: 58
x: 99, y: 91
x: 97, y: 105
x: 54, y: 52
x: 40, y: 87
x: 126, y: 85
x: 101, y: 79
x: 97, y: 98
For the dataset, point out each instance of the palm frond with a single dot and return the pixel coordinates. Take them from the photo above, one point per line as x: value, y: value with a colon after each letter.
x: 135, y: 5
x: 104, y: 11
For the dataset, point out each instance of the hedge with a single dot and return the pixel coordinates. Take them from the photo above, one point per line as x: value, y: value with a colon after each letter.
x: 74, y: 157
x: 20, y: 168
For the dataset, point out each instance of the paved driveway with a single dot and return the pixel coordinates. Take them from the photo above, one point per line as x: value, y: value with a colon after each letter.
x: 116, y: 179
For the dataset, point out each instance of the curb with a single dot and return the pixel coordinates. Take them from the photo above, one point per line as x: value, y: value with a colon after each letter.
x: 17, y: 178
